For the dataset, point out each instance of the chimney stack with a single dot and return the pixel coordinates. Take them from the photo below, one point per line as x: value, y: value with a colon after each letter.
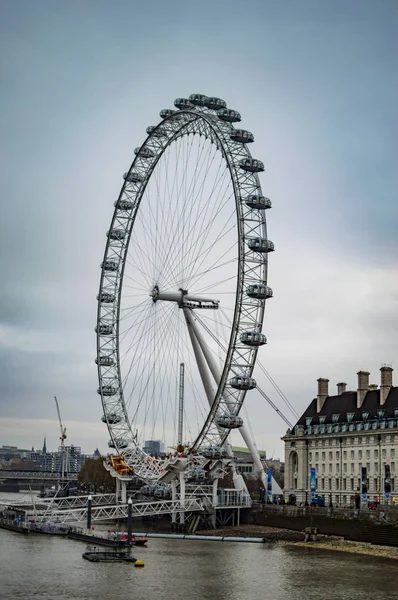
x: 323, y: 393
x: 386, y: 383
x: 341, y: 388
x: 363, y: 386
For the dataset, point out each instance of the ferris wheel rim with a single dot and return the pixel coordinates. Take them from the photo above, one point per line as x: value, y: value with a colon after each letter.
x: 192, y: 116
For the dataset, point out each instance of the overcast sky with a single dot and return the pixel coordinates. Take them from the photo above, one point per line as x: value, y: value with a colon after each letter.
x: 315, y: 81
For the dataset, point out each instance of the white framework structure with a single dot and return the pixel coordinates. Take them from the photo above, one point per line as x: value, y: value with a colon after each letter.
x: 189, y: 226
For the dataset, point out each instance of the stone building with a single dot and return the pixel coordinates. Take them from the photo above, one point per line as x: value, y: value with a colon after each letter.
x: 340, y: 435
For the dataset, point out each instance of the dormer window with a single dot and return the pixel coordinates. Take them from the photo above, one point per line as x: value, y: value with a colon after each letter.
x: 308, y: 421
x: 380, y: 414
x: 335, y: 418
x: 350, y: 416
x: 322, y: 419
x: 396, y: 413
x: 365, y: 416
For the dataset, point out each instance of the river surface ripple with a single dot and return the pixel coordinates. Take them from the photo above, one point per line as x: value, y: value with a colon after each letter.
x: 38, y: 567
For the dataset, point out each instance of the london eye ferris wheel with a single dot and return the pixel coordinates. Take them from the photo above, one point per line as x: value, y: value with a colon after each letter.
x: 183, y: 281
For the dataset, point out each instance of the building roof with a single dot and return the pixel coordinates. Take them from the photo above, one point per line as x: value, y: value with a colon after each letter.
x: 347, y: 403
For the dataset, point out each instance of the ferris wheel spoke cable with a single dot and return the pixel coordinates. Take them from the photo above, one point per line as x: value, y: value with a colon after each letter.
x: 170, y: 240
x: 205, y: 253
x: 146, y: 337
x: 216, y: 207
x: 168, y: 228
x: 190, y: 251
x: 163, y: 249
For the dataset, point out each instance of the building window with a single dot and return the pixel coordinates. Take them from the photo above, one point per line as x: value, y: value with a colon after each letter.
x: 337, y: 484
x: 384, y: 453
x: 344, y: 484
x: 380, y: 414
x: 365, y: 416
x: 368, y: 467
x: 330, y: 484
x: 330, y: 455
x: 352, y: 455
x: 308, y: 420
x: 310, y: 456
x: 335, y: 418
x: 375, y: 485
x: 367, y: 454
x: 352, y: 484
x: 337, y: 455
x: 323, y: 468
x: 376, y: 454
x: 393, y: 467
x: 350, y: 416
x: 345, y: 455
x: 371, y: 439
x: 352, y: 468
x: 337, y: 468
x: 323, y: 455
x: 322, y: 419
x: 331, y: 469
x: 322, y: 484
x: 345, y: 468
x: 392, y: 452
x: 316, y: 455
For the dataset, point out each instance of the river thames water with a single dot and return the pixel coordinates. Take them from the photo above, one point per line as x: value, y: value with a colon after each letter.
x: 39, y: 567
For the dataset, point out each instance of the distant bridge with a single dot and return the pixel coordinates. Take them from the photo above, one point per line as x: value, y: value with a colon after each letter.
x: 21, y: 475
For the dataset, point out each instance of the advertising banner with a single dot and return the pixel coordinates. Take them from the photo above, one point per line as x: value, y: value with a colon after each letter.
x: 313, y: 483
x: 387, y: 483
x: 269, y: 484
x: 364, y: 484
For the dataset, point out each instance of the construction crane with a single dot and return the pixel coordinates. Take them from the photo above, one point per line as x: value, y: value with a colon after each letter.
x: 62, y: 438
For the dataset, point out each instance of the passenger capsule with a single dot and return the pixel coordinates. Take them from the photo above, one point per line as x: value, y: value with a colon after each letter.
x: 148, y: 490
x: 229, y: 421
x: 118, y: 443
x: 106, y: 297
x: 215, y: 103
x: 109, y: 265
x: 213, y: 452
x: 195, y: 475
x: 112, y: 418
x: 252, y: 165
x: 144, y: 152
x: 167, y: 112
x: 259, y: 291
x: 104, y: 330
x: 116, y: 234
x: 253, y: 338
x: 133, y: 177
x: 241, y: 382
x: 198, y: 99
x: 104, y: 361
x: 124, y: 205
x: 182, y: 103
x: 227, y: 114
x: 259, y: 202
x: 242, y: 136
x: 108, y: 390
x: 260, y: 245
x: 156, y: 131
x: 162, y: 491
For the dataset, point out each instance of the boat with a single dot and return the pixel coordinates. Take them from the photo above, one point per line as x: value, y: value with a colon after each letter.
x: 123, y: 535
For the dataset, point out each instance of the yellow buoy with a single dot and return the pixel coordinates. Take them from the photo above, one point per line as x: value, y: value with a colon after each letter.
x: 139, y: 563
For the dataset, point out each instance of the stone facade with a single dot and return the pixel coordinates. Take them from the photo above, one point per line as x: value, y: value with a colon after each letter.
x: 339, y: 436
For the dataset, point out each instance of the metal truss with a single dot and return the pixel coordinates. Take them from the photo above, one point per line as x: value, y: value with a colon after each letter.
x: 103, y: 513
x: 80, y: 501
x: 42, y: 475
x: 252, y: 269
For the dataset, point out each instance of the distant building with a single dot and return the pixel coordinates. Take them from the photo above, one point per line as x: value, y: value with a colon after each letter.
x: 154, y: 447
x: 350, y: 439
x: 50, y: 462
